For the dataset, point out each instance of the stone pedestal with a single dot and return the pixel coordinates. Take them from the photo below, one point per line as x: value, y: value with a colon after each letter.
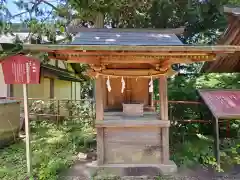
x: 132, y: 169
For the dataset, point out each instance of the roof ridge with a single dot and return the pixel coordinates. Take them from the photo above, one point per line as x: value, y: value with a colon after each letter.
x: 235, y: 10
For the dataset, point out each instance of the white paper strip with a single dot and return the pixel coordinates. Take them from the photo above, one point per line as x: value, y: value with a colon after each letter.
x: 123, y: 85
x: 108, y: 85
x: 151, y: 86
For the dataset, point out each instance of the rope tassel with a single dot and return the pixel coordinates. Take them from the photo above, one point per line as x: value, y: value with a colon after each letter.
x: 108, y: 85
x: 123, y: 85
x: 151, y: 86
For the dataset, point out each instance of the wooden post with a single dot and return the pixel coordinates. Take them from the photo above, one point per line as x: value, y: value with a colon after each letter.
x: 152, y: 100
x: 216, y: 142
x: 99, y: 99
x: 163, y: 98
x: 164, y: 116
x: 58, y: 110
x: 75, y: 91
x: 105, y: 91
x: 27, y: 131
x: 99, y: 117
x: 128, y: 90
x: 99, y: 23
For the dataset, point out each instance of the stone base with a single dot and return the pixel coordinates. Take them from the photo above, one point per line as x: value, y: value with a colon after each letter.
x: 132, y: 169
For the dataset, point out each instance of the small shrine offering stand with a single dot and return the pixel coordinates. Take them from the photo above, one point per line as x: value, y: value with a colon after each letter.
x: 132, y: 139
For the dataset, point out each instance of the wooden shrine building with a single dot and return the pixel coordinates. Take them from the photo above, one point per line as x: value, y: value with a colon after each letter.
x: 227, y: 63
x: 224, y: 63
x: 130, y: 136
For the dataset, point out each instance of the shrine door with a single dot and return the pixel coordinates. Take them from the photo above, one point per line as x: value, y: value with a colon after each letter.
x: 136, y: 91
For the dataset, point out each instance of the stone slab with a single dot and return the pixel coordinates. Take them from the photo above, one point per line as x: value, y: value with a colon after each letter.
x: 132, y: 169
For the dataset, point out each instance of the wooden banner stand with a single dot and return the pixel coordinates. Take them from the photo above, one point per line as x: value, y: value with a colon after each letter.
x: 27, y: 131
x: 20, y: 69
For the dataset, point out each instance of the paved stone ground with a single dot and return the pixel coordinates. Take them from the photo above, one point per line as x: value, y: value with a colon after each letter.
x: 79, y: 172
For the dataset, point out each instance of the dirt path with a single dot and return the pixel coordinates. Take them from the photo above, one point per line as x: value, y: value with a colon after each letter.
x: 77, y: 172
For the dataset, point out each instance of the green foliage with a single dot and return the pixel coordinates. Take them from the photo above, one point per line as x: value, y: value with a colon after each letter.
x: 184, y: 88
x: 198, y: 150
x: 192, y: 151
x: 203, y: 19
x: 230, y: 154
x: 54, y: 147
x: 186, y: 149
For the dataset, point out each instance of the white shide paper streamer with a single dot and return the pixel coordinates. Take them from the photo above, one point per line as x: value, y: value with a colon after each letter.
x: 123, y: 85
x: 108, y: 85
x: 151, y: 86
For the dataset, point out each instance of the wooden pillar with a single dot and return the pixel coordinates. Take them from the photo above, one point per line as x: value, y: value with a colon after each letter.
x: 152, y: 100
x: 99, y: 117
x: 99, y: 23
x: 51, y: 88
x: 164, y: 117
x: 163, y: 98
x: 216, y: 142
x: 71, y: 89
x: 99, y: 99
x: 105, y: 91
x: 128, y: 90
x: 10, y: 90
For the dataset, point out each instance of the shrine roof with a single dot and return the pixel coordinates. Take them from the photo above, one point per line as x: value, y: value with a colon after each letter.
x: 125, y: 38
x: 227, y: 63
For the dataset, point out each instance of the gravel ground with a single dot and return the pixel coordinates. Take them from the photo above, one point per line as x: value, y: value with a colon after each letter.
x: 79, y: 172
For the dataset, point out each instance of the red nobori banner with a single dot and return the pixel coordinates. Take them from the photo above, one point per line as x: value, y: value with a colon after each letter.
x: 224, y: 104
x: 21, y: 69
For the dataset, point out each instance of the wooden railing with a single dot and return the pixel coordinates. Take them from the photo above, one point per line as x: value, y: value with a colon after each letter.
x: 183, y: 112
x: 74, y: 108
x: 39, y: 107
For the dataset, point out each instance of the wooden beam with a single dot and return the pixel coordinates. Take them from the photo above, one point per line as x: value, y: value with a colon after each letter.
x: 132, y: 57
x: 129, y: 73
x: 74, y: 59
x: 179, y: 30
x: 133, y: 123
x: 126, y: 53
x: 134, y: 72
x: 235, y: 11
x: 94, y: 74
x: 97, y: 60
x: 130, y: 60
x: 188, y: 49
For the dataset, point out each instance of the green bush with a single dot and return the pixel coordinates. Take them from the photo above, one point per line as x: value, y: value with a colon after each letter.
x: 53, y: 149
